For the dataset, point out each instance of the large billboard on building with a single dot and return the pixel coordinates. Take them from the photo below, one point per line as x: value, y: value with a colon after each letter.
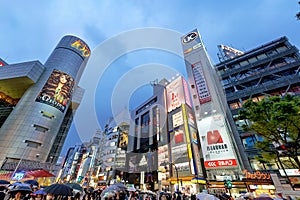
x: 216, y: 145
x: 177, y: 94
x: 57, y: 91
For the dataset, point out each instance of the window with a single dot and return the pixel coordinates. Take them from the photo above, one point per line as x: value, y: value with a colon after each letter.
x: 40, y: 128
x: 244, y: 63
x: 47, y: 115
x: 261, y: 56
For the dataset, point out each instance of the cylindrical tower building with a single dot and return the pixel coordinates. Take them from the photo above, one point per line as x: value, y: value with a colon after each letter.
x: 30, y: 130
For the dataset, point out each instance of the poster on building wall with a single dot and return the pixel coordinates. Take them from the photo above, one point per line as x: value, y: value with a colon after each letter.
x: 177, y: 119
x: 201, y: 84
x: 57, y: 91
x: 162, y: 156
x: 175, y: 94
x: 216, y: 146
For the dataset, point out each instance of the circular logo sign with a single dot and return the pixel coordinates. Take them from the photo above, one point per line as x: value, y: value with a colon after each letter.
x: 189, y: 37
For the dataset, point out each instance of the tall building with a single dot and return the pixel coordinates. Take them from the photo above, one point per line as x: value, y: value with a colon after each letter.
x: 112, y: 157
x: 270, y: 69
x: 220, y: 147
x: 37, y: 104
x: 163, y: 146
x: 147, y: 133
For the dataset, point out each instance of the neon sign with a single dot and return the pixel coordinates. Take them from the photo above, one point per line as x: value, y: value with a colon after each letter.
x: 18, y: 176
x: 79, y: 45
x: 256, y: 175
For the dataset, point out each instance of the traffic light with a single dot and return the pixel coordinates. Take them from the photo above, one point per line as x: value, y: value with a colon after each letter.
x: 79, y: 179
x: 228, y: 184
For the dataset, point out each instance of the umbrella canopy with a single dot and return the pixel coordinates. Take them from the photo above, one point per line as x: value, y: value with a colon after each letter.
x: 59, y: 189
x: 32, y: 182
x: 112, y: 189
x: 263, y: 196
x: 74, y: 186
x: 42, y: 192
x: 4, y: 182
x: 205, y: 196
x: 21, y: 188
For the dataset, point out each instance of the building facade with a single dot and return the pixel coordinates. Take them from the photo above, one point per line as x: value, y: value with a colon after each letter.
x: 38, y: 102
x: 270, y: 69
x: 221, y: 148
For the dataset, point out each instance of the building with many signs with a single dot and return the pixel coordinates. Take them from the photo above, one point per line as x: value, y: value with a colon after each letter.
x: 38, y: 102
x: 163, y: 147
x: 220, y: 144
x: 270, y: 69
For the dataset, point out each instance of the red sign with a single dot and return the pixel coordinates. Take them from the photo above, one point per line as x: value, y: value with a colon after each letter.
x: 220, y: 163
x: 1, y: 64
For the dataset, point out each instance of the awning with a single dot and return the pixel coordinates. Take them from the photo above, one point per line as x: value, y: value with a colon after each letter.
x: 31, y: 174
x: 39, y: 173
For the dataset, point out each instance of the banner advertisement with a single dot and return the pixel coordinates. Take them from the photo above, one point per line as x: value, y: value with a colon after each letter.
x: 175, y: 94
x: 57, y: 91
x: 201, y: 84
x: 215, y: 141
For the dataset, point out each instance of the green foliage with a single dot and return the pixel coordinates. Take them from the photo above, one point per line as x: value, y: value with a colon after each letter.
x: 277, y: 120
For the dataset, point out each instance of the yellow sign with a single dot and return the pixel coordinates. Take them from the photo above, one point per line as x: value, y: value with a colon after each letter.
x: 79, y: 45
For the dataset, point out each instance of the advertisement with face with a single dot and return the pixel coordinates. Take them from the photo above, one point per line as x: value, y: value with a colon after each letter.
x: 57, y: 91
x: 216, y: 145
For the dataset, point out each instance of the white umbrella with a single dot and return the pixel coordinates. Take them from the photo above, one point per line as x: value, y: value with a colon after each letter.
x: 131, y: 189
x: 205, y: 196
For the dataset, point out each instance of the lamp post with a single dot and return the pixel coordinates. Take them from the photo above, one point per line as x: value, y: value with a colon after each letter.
x: 107, y: 176
x: 170, y: 163
x: 28, y: 144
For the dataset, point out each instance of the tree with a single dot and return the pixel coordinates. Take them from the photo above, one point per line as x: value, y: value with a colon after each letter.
x: 277, y: 120
x: 298, y: 14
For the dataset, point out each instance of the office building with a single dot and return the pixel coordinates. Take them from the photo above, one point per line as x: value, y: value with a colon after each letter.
x: 270, y: 69
x: 223, y: 159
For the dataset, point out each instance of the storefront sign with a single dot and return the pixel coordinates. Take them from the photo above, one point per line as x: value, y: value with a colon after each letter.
x: 220, y: 163
x: 290, y: 172
x: 256, y: 175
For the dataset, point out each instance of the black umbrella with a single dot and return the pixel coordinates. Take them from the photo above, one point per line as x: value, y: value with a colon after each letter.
x: 59, y: 189
x: 21, y: 188
x: 74, y: 186
x: 4, y: 182
x: 32, y: 182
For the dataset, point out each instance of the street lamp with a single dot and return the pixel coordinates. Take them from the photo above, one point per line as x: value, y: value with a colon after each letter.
x: 107, y: 176
x: 28, y: 144
x: 170, y: 163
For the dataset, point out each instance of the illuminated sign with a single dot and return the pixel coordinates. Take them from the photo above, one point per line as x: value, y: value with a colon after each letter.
x: 290, y: 172
x: 201, y: 84
x: 216, y: 145
x: 18, y: 176
x: 177, y: 119
x: 177, y: 94
x: 57, y: 91
x: 230, y: 52
x: 1, y: 64
x: 83, y: 48
x: 189, y: 37
x: 256, y: 175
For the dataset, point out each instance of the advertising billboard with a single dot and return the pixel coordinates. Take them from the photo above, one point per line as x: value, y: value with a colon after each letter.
x: 216, y: 146
x: 57, y: 91
x: 176, y: 94
x: 201, y: 84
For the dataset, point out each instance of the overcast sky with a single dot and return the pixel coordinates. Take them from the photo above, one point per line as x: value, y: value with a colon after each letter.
x: 31, y: 29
